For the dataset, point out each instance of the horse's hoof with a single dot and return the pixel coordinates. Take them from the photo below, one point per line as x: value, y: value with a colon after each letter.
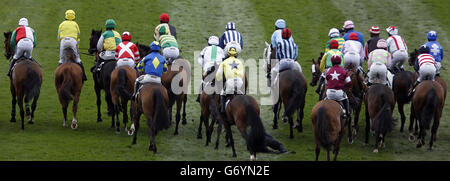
x: 411, y: 138
x: 419, y: 144
x: 199, y: 136
x: 430, y: 148
x: 13, y: 120
x: 252, y: 158
x: 291, y: 136
x: 228, y: 145
x: 175, y: 133
x: 299, y: 128
x: 375, y: 150
x: 118, y: 131
x: 31, y: 122
x: 184, y: 122
x: 216, y: 147
x: 350, y: 141
x: 383, y: 145
x: 74, y: 126
x: 99, y: 120
x: 275, y: 126
x: 130, y: 132
x: 234, y: 155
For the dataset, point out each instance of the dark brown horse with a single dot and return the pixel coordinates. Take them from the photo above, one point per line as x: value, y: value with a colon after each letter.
x: 243, y: 111
x: 291, y: 93
x: 402, y: 83
x: 356, y: 96
x: 328, y: 127
x: 176, y: 80
x: 122, y: 87
x: 25, y: 84
x: 68, y: 83
x: 152, y: 101
x: 102, y: 79
x: 380, y: 102
x: 427, y: 104
x: 316, y: 73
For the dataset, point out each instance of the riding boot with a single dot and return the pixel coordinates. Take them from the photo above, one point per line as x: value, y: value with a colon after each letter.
x: 347, y: 108
x: 320, y: 85
x: 222, y: 103
x: 342, y: 104
x: 82, y: 69
x: 413, y: 89
x: 199, y: 93
x: 11, y: 65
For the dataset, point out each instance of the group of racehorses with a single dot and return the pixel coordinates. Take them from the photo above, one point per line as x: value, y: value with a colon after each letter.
x: 155, y: 101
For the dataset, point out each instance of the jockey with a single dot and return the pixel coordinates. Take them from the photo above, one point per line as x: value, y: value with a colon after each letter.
x: 69, y: 37
x: 426, y: 67
x: 231, y: 71
x: 287, y: 53
x: 371, y: 44
x: 397, y: 47
x: 435, y: 49
x: 23, y: 40
x: 353, y: 51
x: 326, y: 63
x: 108, y: 42
x: 230, y: 35
x: 280, y: 24
x: 334, y: 35
x: 164, y: 22
x: 168, y: 44
x: 127, y: 52
x: 210, y: 57
x: 378, y: 61
x: 153, y: 65
x: 337, y: 80
x: 348, y: 28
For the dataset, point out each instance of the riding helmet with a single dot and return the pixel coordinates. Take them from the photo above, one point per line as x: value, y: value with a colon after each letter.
x: 348, y: 24
x: 230, y: 26
x: 23, y: 22
x: 381, y: 44
x: 164, y: 18
x: 334, y: 44
x: 334, y: 32
x: 432, y: 35
x: 110, y: 23
x: 213, y: 40
x: 126, y: 36
x: 392, y: 30
x: 280, y: 24
x: 424, y: 49
x: 353, y: 36
x: 374, y: 30
x: 70, y: 14
x: 154, y: 46
x: 335, y: 59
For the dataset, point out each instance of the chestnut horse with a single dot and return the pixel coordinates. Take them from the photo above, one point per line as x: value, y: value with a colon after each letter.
x: 102, y: 79
x: 427, y: 104
x: 243, y: 111
x: 380, y: 103
x: 328, y: 126
x: 153, y: 101
x: 68, y: 83
x: 25, y: 84
x: 122, y: 87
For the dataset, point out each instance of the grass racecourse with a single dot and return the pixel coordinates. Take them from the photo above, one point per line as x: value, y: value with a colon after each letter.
x: 309, y: 20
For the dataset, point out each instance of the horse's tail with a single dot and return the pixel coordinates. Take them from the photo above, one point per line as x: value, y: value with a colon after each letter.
x: 255, y: 140
x: 296, y: 96
x: 32, y: 84
x: 323, y: 128
x: 66, y: 86
x: 429, y: 108
x: 384, y: 117
x: 161, y: 115
x: 121, y: 86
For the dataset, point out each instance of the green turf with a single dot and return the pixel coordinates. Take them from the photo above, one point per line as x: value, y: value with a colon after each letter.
x: 309, y: 20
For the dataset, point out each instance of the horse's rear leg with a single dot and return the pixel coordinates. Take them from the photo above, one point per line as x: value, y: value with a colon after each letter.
x: 291, y: 127
x: 151, y: 133
x: 136, y: 125
x: 76, y: 99
x: 99, y: 102
x: 317, y: 152
x: 22, y: 112
x: 402, y: 115
x: 33, y: 108
x: 64, y: 105
x: 434, y: 132
x: 207, y: 132
x: 300, y: 115
x: 116, y: 114
x: 356, y: 120
x: 276, y: 110
x: 13, y: 103
x: 199, y: 131
x: 230, y: 135
x: 177, y: 116
x: 367, y: 125
x: 183, y: 119
x: 219, y: 130
x: 411, y: 122
x: 124, y: 113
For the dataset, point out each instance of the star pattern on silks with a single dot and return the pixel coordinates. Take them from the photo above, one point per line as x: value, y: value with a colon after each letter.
x: 234, y: 65
x: 335, y: 75
x: 435, y: 49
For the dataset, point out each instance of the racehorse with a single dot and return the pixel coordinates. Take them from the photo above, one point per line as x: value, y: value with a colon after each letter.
x: 316, y: 73
x: 122, y: 86
x: 102, y: 78
x: 412, y: 59
x: 380, y: 102
x: 209, y: 108
x: 427, y: 104
x: 356, y: 96
x: 292, y: 91
x: 68, y: 83
x: 402, y: 83
x: 176, y: 81
x: 243, y: 111
x: 25, y: 82
x: 328, y: 126
x: 152, y: 100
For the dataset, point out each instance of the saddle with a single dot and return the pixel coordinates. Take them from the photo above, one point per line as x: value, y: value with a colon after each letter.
x: 99, y: 64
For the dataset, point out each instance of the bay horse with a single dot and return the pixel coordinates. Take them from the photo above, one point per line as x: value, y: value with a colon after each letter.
x: 316, y: 74
x: 176, y: 80
x: 122, y: 87
x: 243, y: 111
x: 379, y: 103
x: 402, y: 83
x: 427, y: 104
x: 102, y: 78
x: 356, y: 97
x: 328, y: 126
x: 68, y: 83
x: 25, y: 84
x: 292, y: 91
x: 152, y: 101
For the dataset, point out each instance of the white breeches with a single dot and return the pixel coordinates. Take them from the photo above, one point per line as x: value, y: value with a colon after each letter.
x: 25, y: 48
x: 125, y: 61
x: 68, y: 42
x: 170, y: 52
x: 426, y: 72
x: 352, y: 58
x: 337, y: 95
x: 398, y: 58
x: 377, y: 73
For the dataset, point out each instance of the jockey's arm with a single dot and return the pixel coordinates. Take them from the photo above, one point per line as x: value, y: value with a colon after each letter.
x: 35, y: 40
x: 140, y: 66
x: 164, y: 68
x: 219, y: 72
x: 100, y: 43
x: 323, y: 62
x: 13, y: 42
